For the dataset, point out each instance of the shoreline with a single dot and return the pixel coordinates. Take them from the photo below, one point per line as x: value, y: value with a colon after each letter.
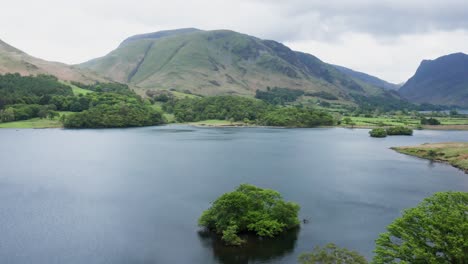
x: 421, y: 152
x: 241, y: 125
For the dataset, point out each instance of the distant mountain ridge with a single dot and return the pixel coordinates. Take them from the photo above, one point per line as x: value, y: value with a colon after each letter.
x: 221, y: 62
x: 442, y: 81
x: 367, y: 78
x: 13, y: 60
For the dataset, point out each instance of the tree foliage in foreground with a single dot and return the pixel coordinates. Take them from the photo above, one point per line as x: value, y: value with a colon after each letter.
x: 435, y: 231
x: 249, y: 209
x: 332, y: 254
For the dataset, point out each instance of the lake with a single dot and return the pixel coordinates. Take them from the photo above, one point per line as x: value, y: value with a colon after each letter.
x: 134, y: 195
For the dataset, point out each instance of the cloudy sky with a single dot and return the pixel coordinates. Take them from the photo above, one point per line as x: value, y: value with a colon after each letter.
x: 383, y: 38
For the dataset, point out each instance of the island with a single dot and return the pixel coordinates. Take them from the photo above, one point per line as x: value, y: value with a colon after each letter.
x: 453, y: 153
x: 249, y: 209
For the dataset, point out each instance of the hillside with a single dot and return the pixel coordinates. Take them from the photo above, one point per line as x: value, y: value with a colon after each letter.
x: 221, y: 62
x: 441, y: 81
x: 13, y: 60
x: 369, y: 79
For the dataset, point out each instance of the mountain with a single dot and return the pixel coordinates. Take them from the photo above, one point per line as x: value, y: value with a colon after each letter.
x: 13, y: 60
x: 364, y: 77
x: 442, y: 81
x: 221, y: 62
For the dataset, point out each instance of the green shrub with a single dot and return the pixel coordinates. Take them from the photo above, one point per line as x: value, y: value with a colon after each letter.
x: 331, y: 254
x: 399, y: 130
x: 378, y: 132
x: 430, y: 121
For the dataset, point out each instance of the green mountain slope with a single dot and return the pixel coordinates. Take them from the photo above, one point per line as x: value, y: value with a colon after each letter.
x: 13, y: 60
x: 441, y: 81
x: 364, y: 77
x: 221, y: 62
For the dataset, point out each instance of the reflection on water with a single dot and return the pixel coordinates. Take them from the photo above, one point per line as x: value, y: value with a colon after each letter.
x: 255, y: 250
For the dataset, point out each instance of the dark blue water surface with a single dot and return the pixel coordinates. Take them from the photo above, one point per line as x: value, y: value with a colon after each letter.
x: 134, y: 195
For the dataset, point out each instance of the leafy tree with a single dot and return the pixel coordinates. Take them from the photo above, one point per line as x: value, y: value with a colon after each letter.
x: 399, y: 130
x: 435, y: 231
x: 278, y: 95
x: 119, y: 114
x: 296, y: 117
x: 17, y: 89
x: 430, y: 121
x: 217, y: 107
x: 249, y: 209
x: 347, y: 120
x: 323, y: 95
x: 332, y: 254
x: 378, y: 132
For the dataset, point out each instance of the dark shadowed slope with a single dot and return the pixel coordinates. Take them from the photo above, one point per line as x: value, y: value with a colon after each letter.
x: 441, y: 81
x: 364, y: 77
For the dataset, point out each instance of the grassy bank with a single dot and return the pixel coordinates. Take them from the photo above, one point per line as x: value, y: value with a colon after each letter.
x: 455, y: 153
x: 217, y: 123
x: 37, y: 122
x: 33, y: 123
x: 446, y: 123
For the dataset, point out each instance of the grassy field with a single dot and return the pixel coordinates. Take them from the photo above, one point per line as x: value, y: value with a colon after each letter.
x: 455, y: 154
x: 446, y: 122
x: 77, y: 90
x: 36, y: 123
x: 33, y: 123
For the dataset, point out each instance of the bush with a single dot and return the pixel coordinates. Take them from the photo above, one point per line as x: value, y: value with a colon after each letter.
x: 430, y: 121
x: 399, y: 130
x: 249, y: 209
x: 378, y: 132
x: 332, y: 254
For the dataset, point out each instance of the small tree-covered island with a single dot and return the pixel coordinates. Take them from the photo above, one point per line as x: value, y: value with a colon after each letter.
x: 249, y: 209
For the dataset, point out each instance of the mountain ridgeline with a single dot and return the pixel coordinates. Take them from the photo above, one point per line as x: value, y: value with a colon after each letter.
x: 222, y: 62
x: 364, y: 77
x: 442, y: 81
x: 13, y: 60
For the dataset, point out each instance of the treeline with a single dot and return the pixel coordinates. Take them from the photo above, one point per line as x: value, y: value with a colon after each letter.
x: 296, y: 117
x: 99, y: 87
x: 17, y: 89
x: 247, y: 110
x: 111, y: 104
x: 107, y: 110
x: 391, y: 101
x: 278, y: 96
x: 121, y: 114
x: 27, y: 111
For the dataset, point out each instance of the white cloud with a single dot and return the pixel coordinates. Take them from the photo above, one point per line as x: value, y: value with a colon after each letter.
x: 394, y: 60
x: 385, y: 38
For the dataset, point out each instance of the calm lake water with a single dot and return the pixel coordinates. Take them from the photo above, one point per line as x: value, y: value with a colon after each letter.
x: 134, y: 195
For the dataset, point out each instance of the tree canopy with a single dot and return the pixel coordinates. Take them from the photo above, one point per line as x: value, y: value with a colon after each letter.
x: 250, y: 209
x: 108, y: 110
x: 331, y: 254
x: 435, y: 231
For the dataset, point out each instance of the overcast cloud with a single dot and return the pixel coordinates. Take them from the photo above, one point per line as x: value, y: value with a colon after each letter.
x: 384, y: 38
